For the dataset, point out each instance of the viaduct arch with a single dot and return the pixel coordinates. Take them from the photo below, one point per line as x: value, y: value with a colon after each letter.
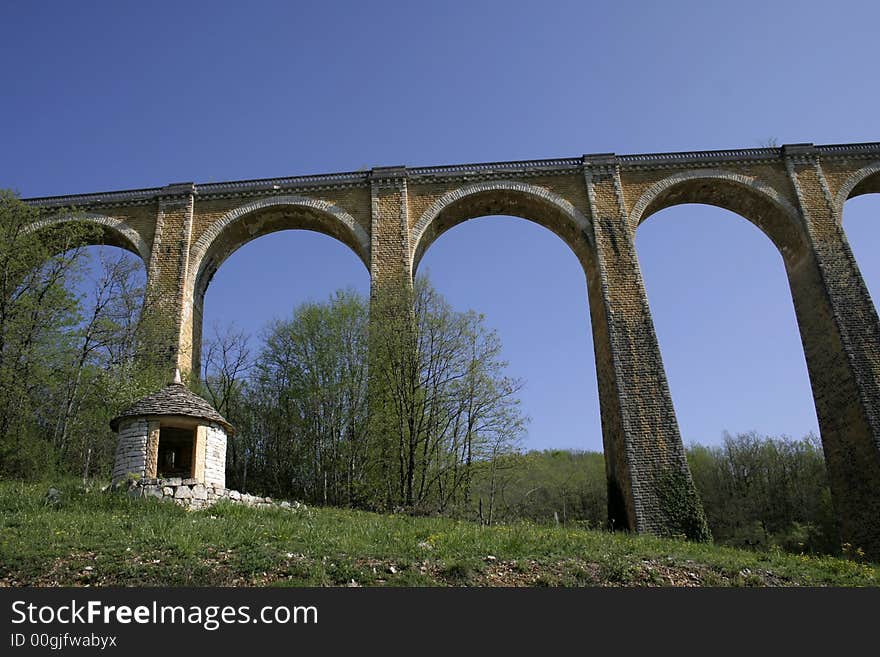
x: 245, y: 223
x: 389, y: 216
x: 532, y: 202
x: 113, y: 231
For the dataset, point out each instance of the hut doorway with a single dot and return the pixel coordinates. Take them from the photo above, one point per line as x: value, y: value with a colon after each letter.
x: 176, y: 453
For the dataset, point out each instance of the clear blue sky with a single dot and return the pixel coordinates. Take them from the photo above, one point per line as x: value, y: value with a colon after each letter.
x: 110, y: 95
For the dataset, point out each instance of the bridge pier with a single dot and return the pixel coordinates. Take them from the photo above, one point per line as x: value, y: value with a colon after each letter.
x: 840, y: 332
x: 650, y: 488
x: 169, y: 298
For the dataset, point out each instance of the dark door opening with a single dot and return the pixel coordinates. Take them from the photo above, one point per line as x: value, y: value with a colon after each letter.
x: 175, y: 458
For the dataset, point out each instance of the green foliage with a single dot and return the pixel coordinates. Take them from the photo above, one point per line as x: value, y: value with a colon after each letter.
x: 301, y: 417
x: 765, y: 492
x: 440, y: 401
x: 396, y: 403
x: 36, y: 315
x: 757, y: 492
x: 548, y: 486
x: 680, y: 505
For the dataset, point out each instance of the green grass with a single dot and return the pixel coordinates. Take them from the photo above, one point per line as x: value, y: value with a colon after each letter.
x: 104, y: 539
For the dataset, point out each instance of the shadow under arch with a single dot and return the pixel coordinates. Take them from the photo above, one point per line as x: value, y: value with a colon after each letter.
x: 113, y: 231
x: 262, y: 217
x: 516, y: 199
x: 755, y: 201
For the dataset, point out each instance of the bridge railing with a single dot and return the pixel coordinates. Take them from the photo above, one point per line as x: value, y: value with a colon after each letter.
x: 145, y: 195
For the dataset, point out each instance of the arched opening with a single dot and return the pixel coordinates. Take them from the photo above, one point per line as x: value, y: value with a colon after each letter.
x: 100, y: 263
x: 254, y: 281
x: 747, y: 197
x: 100, y: 229
x: 726, y: 325
x: 737, y: 282
x: 268, y: 276
x: 248, y: 222
x: 496, y: 250
x: 533, y: 293
x: 531, y: 202
x: 722, y: 306
x: 245, y: 224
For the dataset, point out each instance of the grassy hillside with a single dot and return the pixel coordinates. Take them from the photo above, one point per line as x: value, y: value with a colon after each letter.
x: 93, y: 538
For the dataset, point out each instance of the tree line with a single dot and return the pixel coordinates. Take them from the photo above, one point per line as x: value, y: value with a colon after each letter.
x: 757, y: 491
x: 415, y: 412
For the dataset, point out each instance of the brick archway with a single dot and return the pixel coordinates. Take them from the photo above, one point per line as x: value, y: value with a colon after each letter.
x: 389, y: 216
x: 747, y: 196
x: 115, y: 232
x: 264, y: 216
x: 524, y: 200
x: 246, y: 223
x: 863, y: 181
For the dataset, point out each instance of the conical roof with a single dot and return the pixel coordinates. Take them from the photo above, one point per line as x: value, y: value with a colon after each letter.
x: 174, y: 399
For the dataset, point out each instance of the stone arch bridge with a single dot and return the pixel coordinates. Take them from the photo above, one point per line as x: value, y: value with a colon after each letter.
x: 389, y: 216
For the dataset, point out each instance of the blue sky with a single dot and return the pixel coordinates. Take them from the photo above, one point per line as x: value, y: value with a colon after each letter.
x: 117, y: 95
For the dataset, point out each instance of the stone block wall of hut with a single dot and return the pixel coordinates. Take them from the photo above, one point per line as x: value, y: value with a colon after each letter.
x: 131, y: 450
x: 215, y: 455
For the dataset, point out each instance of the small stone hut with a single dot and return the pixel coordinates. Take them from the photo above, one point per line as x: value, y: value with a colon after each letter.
x: 172, y: 433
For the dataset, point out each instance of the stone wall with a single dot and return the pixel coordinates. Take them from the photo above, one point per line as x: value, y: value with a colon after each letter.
x: 215, y: 456
x: 131, y: 449
x: 191, y: 494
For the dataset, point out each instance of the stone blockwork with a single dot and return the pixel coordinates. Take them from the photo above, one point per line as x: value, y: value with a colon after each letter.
x: 131, y: 449
x: 194, y: 495
x: 390, y: 216
x: 215, y: 455
x: 643, y: 447
x: 197, y: 435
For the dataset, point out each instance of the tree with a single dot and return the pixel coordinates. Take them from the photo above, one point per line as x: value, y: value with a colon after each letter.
x: 303, y: 421
x: 69, y: 359
x: 113, y: 361
x: 762, y: 491
x: 226, y: 358
x: 379, y: 407
x: 544, y: 486
x: 36, y: 312
x: 441, y: 401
